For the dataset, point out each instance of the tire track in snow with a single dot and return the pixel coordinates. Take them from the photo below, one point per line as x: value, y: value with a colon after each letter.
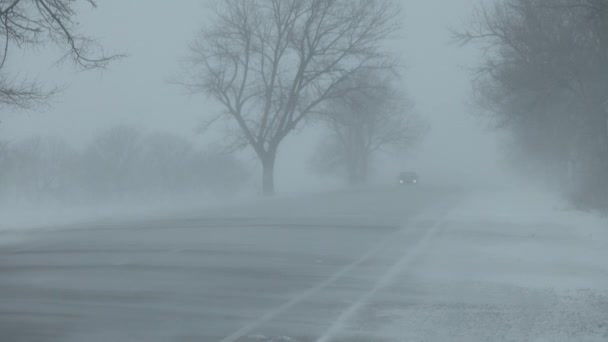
x: 374, y: 251
x: 399, y: 267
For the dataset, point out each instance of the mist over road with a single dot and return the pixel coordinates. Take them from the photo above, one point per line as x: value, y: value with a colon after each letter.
x: 400, y: 264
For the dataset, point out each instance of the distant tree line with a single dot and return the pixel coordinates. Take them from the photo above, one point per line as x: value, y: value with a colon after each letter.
x: 121, y: 163
x: 544, y: 77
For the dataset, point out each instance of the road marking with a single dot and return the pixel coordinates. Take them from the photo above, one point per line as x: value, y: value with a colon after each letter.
x: 249, y: 328
x: 340, y: 323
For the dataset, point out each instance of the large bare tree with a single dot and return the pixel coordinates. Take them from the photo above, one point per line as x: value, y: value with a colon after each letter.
x: 36, y: 23
x: 271, y: 63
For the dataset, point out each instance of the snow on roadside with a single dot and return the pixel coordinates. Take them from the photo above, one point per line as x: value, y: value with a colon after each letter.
x: 525, y: 238
x: 510, y: 265
x: 21, y: 218
x: 528, y: 206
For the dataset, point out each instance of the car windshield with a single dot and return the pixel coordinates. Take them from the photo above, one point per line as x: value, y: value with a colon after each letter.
x: 303, y: 170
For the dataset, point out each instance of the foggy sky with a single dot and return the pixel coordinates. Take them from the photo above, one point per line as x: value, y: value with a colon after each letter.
x: 155, y: 35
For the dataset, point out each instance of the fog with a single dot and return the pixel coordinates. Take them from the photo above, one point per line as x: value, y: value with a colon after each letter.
x: 139, y: 91
x: 435, y: 76
x: 146, y: 190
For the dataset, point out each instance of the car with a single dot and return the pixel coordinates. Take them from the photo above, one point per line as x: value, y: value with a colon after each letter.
x: 406, y: 178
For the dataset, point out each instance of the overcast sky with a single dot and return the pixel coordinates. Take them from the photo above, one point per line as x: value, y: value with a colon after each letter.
x: 155, y: 35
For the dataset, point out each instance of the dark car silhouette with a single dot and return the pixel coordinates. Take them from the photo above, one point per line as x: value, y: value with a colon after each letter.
x: 406, y: 178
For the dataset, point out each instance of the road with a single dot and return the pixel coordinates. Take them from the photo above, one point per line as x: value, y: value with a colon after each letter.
x: 382, y: 265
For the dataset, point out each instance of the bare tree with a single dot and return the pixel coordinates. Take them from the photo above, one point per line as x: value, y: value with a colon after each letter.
x: 121, y: 163
x: 167, y: 164
x: 38, y: 168
x: 110, y: 161
x: 271, y: 63
x: 36, y: 23
x: 376, y: 117
x: 544, y: 79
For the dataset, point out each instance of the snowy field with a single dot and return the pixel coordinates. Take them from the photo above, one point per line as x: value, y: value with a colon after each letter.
x: 409, y: 264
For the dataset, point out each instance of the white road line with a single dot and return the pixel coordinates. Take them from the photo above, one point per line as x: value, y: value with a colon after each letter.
x: 340, y: 323
x: 249, y: 328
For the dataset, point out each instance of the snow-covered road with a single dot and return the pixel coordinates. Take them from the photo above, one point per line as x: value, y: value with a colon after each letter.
x: 410, y: 264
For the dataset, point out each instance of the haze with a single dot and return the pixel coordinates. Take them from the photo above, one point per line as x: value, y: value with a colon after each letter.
x: 435, y: 75
x: 462, y: 198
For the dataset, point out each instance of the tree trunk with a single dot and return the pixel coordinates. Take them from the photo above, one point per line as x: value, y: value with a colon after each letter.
x: 351, y: 157
x: 364, y: 166
x: 360, y: 156
x: 351, y: 169
x: 268, y: 162
x: 604, y: 52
